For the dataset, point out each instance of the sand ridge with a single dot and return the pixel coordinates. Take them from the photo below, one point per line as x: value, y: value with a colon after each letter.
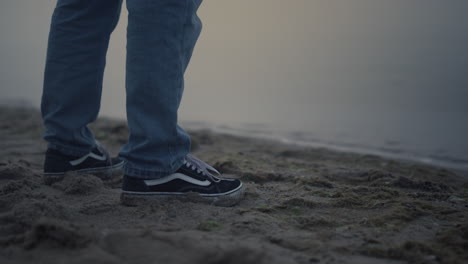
x: 302, y: 205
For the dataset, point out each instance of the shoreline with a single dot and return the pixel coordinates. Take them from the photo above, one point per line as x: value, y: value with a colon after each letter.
x: 359, y: 150
x: 301, y: 205
x: 400, y: 155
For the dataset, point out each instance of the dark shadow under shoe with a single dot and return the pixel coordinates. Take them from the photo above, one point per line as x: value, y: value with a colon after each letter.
x: 97, y: 162
x: 192, y: 182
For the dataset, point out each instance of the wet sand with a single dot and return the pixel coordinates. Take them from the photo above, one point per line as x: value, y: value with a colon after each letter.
x: 302, y: 205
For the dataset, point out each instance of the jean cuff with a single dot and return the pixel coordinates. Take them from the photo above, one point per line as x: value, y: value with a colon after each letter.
x: 67, y: 150
x: 135, y: 171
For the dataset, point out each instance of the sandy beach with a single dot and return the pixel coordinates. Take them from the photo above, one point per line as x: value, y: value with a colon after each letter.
x: 302, y: 205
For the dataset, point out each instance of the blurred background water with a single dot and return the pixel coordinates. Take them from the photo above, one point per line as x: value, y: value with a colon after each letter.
x: 383, y: 77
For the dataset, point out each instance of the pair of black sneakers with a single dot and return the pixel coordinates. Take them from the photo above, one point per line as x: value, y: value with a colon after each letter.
x: 193, y: 181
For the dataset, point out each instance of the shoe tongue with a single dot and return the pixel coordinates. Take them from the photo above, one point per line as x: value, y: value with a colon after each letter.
x: 97, y: 151
x: 102, y: 153
x: 100, y: 150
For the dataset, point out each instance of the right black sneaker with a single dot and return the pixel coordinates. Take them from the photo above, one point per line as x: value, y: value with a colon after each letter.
x: 193, y: 181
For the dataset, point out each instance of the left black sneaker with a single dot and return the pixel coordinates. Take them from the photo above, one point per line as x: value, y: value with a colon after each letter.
x: 97, y: 162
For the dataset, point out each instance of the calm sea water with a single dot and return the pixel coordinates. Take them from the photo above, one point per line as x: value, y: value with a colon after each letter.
x: 381, y: 77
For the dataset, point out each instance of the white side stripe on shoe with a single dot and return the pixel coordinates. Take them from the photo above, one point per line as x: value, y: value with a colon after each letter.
x: 91, y: 155
x: 177, y: 176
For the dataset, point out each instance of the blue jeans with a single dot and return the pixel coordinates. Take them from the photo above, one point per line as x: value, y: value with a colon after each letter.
x: 161, y: 35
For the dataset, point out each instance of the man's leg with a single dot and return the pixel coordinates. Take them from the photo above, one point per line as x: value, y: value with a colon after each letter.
x: 76, y: 57
x: 161, y: 36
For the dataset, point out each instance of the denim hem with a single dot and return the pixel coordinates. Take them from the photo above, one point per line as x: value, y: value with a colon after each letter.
x: 68, y: 150
x: 147, y: 173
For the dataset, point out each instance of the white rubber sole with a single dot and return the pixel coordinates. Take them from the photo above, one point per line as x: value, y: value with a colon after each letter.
x: 226, y: 199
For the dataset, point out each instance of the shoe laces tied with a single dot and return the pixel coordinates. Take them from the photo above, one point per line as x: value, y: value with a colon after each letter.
x: 201, y: 167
